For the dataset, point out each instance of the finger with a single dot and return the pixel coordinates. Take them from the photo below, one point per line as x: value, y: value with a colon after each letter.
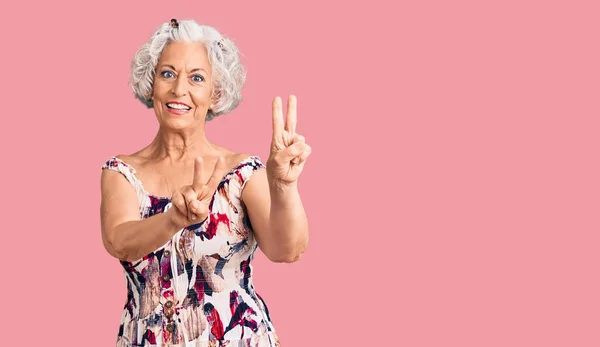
x: 290, y: 139
x: 293, y: 151
x: 197, y: 208
x: 179, y: 202
x: 198, y: 181
x: 302, y: 158
x: 277, y: 118
x: 179, y: 209
x: 290, y: 123
x: 187, y: 211
x: 287, y: 139
x: 217, y: 175
x: 297, y: 138
x: 189, y: 196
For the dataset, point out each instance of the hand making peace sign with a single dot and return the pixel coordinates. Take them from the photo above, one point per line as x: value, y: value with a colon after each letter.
x: 288, y: 149
x: 191, y: 203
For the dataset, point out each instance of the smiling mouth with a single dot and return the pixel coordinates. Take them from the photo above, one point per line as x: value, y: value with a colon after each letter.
x: 178, y: 106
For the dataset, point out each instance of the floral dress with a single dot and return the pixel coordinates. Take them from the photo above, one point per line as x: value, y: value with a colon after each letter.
x: 197, y: 289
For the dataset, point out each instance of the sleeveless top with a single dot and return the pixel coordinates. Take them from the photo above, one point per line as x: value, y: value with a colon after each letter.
x: 197, y: 289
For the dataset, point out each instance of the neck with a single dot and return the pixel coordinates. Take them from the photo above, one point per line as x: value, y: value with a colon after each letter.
x: 180, y: 145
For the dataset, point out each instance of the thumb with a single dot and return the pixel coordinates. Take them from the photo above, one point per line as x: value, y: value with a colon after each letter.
x: 293, y: 151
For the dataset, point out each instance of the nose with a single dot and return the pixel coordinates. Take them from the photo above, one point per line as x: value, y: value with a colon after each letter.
x: 179, y: 88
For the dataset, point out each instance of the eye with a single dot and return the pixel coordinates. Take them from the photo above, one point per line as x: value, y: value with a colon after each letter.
x: 198, y: 78
x: 167, y: 74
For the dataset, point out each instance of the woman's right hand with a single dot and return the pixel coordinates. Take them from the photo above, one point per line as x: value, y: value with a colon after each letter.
x: 190, y: 205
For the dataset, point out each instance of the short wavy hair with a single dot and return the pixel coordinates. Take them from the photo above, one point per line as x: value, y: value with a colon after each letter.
x: 228, y: 72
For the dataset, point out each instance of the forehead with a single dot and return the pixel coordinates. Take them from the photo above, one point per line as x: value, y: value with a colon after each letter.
x: 183, y: 55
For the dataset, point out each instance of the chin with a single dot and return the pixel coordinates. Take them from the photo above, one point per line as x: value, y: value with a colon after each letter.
x: 176, y: 124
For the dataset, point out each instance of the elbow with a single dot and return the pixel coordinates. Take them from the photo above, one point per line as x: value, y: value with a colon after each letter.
x: 286, y: 251
x: 115, y: 249
x: 285, y: 258
x: 288, y: 256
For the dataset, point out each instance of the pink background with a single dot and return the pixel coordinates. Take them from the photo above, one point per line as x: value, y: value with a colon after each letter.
x: 453, y: 190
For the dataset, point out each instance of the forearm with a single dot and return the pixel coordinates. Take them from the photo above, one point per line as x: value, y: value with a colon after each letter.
x: 134, y: 239
x: 288, y: 224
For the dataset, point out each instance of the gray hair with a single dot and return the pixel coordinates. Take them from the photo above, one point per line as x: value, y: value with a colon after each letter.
x: 228, y: 72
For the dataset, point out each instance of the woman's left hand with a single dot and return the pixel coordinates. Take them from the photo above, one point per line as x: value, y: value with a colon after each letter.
x: 289, y: 150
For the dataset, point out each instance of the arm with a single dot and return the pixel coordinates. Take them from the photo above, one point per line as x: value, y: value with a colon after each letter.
x: 278, y: 218
x: 126, y: 236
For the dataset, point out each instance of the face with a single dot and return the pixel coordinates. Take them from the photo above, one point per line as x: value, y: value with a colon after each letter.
x: 182, y: 86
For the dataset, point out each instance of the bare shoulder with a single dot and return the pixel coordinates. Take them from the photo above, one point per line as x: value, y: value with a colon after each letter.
x: 119, y: 202
x: 232, y: 158
x: 108, y: 176
x: 237, y: 158
x: 114, y: 182
x: 134, y: 159
x: 116, y: 188
x: 255, y: 196
x: 256, y: 182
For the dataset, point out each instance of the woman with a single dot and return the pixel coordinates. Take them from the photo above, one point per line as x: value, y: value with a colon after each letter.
x: 187, y: 235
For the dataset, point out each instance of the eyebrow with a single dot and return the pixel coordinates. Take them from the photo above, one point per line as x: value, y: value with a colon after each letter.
x: 173, y: 68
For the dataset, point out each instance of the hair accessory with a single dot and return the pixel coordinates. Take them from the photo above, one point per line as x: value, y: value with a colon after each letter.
x: 174, y: 23
x: 221, y: 43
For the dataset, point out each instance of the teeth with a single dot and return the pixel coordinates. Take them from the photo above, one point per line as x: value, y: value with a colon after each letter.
x: 178, y: 107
